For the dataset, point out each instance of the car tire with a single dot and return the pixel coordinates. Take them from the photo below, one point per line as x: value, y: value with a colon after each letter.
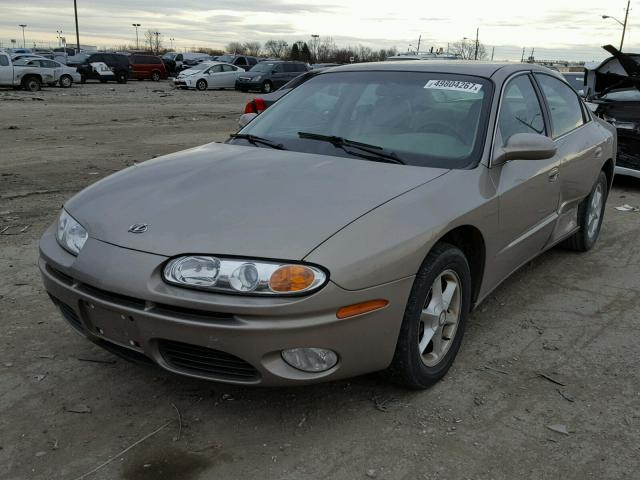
x: 66, y: 81
x: 32, y: 84
x: 267, y: 87
x: 590, y: 216
x: 155, y: 76
x: 432, y: 313
x: 121, y: 77
x: 201, y: 85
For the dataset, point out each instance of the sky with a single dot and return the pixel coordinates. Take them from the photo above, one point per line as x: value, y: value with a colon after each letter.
x: 556, y: 29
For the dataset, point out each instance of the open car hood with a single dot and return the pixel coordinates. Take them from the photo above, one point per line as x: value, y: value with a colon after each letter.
x: 618, y: 72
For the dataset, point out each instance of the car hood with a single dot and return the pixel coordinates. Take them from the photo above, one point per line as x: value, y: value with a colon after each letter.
x: 236, y: 200
x: 619, y: 72
x: 189, y: 71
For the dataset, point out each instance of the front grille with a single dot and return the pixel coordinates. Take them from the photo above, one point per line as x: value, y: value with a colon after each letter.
x: 628, y: 151
x: 205, y: 361
x: 112, y: 297
x: 126, y: 353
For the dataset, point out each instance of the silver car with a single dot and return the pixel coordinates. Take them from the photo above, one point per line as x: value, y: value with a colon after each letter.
x: 350, y: 228
x: 62, y: 75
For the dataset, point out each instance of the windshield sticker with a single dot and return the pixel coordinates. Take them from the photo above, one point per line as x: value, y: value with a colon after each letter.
x: 453, y: 85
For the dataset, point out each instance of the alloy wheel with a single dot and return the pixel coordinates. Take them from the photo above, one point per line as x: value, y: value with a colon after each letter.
x: 595, y: 211
x: 439, y: 318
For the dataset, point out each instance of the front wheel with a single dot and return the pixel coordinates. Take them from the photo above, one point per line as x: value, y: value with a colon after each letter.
x: 201, y: 85
x: 267, y: 87
x: 121, y: 77
x: 155, y: 76
x: 434, y: 319
x: 590, y: 216
x: 66, y: 81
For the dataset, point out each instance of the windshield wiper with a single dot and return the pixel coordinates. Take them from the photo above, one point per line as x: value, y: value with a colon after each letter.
x: 379, y: 153
x: 255, y: 140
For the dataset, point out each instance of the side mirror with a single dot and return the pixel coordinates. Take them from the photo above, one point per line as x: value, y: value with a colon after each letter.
x: 245, y: 118
x: 525, y: 146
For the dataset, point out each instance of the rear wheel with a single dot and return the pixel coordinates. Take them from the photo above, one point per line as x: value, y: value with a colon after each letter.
x: 590, y: 216
x: 155, y: 76
x: 31, y: 84
x: 66, y: 81
x: 121, y: 77
x: 267, y: 87
x: 434, y: 319
x: 201, y: 84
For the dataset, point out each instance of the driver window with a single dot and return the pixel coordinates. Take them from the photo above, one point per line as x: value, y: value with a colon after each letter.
x: 520, y: 111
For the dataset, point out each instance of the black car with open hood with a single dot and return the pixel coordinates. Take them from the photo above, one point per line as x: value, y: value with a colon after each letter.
x: 613, y: 90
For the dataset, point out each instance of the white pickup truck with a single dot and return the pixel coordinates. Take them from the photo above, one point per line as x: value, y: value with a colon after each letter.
x: 28, y: 77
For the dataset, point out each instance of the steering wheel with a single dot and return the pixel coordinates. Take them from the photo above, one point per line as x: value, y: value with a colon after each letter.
x: 443, y: 129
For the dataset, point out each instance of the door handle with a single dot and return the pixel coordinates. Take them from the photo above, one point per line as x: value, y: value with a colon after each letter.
x: 553, y: 174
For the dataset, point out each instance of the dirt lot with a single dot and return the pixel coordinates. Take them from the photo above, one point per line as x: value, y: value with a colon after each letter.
x: 571, y: 317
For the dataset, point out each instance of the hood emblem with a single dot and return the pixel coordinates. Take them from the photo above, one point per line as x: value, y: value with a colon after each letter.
x: 138, y: 228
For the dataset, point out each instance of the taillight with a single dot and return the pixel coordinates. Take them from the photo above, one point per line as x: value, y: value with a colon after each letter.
x: 256, y: 105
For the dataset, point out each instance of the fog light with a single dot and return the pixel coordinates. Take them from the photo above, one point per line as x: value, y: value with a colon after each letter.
x: 310, y: 359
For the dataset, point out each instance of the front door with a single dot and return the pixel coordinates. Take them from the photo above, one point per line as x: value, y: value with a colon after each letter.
x: 529, y: 190
x: 6, y: 70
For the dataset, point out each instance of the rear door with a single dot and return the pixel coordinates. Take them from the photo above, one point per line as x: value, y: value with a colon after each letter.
x: 581, y: 144
x: 280, y: 76
x: 228, y: 76
x: 528, y: 189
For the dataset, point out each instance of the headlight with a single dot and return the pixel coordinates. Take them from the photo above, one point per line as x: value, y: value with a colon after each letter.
x: 71, y: 235
x: 228, y: 275
x: 258, y: 78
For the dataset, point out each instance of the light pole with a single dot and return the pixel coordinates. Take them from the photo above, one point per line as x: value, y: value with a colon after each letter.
x: 171, y: 40
x: 24, y: 44
x: 624, y: 24
x: 59, y: 32
x: 157, y: 34
x: 137, y: 25
x: 315, y: 46
x: 477, y: 42
x: 75, y: 11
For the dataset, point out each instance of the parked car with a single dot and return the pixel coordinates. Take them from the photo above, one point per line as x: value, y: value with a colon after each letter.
x: 182, y: 60
x: 208, y: 76
x: 259, y: 104
x: 29, y: 77
x: 119, y: 66
x: 148, y: 67
x: 349, y: 229
x: 269, y: 76
x: 576, y: 80
x: 245, y: 62
x: 613, y: 93
x: 61, y: 75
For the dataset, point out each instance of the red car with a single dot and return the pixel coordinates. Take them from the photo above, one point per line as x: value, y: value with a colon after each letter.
x: 148, y: 67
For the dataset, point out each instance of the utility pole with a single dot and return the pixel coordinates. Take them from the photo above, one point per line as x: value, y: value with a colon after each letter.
x: 171, y: 40
x: 24, y: 43
x: 418, y: 49
x: 59, y: 32
x: 136, y: 25
x: 522, y: 59
x: 624, y: 27
x: 477, y: 41
x: 493, y: 50
x: 75, y: 11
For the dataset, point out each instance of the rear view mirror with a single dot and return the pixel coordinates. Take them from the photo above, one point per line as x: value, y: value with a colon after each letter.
x: 525, y: 146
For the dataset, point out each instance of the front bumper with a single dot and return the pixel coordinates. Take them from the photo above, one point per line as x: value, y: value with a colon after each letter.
x: 116, y: 298
x: 248, y: 85
x: 181, y: 83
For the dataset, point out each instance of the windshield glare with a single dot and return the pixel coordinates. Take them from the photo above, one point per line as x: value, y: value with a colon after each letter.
x: 263, y: 67
x: 427, y: 119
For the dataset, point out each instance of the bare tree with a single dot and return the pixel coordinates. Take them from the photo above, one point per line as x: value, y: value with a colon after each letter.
x: 326, y: 49
x: 153, y: 39
x: 252, y: 48
x: 467, y: 50
x: 276, y: 48
x: 236, y: 47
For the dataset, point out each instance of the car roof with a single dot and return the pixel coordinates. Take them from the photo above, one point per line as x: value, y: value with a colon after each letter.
x: 461, y: 67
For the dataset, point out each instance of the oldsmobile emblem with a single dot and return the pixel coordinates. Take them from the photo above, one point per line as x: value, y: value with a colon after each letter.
x: 138, y: 228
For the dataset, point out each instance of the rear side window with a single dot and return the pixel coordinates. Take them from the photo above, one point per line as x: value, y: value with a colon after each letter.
x: 520, y: 110
x: 4, y: 61
x: 564, y: 105
x: 240, y: 61
x: 252, y: 61
x: 228, y: 68
x: 301, y: 67
x: 290, y: 67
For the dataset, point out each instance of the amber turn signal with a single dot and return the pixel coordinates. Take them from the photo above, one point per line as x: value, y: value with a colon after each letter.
x: 292, y: 278
x: 360, y: 308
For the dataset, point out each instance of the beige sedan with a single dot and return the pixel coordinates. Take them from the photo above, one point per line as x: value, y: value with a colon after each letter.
x: 350, y: 228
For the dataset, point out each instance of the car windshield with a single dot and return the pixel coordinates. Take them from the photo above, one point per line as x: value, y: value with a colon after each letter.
x: 263, y: 67
x: 623, y: 96
x: 425, y: 119
x: 226, y: 58
x: 169, y: 56
x: 576, y: 81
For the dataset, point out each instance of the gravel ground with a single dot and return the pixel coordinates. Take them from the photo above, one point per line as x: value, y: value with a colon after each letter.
x: 67, y: 407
